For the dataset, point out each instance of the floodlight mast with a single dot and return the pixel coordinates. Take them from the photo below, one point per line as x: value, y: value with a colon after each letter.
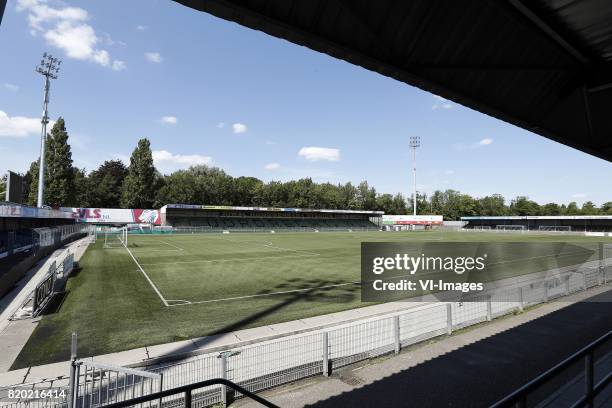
x: 49, y: 68
x: 415, y: 142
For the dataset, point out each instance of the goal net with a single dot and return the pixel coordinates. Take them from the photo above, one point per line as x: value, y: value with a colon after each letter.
x: 555, y: 228
x: 482, y: 228
x: 116, y: 237
x: 510, y: 227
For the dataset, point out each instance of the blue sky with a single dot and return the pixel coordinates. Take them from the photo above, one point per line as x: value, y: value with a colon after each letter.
x: 205, y: 90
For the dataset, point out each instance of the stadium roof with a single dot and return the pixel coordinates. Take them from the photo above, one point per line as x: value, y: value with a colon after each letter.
x: 275, y: 209
x: 543, y: 65
x: 539, y: 217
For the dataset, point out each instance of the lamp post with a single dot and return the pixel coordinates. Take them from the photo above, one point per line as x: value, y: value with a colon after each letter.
x: 49, y: 68
x: 415, y: 142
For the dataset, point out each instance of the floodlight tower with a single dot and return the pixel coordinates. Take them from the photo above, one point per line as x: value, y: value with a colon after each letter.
x: 415, y: 142
x: 49, y: 68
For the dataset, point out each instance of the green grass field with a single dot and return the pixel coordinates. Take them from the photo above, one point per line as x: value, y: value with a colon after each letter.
x: 175, y: 287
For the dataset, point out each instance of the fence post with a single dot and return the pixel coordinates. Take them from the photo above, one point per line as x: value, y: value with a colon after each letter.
x: 489, y: 314
x: 72, y: 380
x: 567, y: 284
x: 589, y: 378
x: 396, y: 331
x: 326, y: 370
x: 449, y: 319
x: 224, y: 399
x: 161, y: 387
x: 545, y: 291
x: 520, y: 296
x: 602, y: 271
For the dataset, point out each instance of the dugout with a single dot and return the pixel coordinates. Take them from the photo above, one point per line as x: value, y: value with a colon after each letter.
x: 584, y: 223
x: 216, y: 217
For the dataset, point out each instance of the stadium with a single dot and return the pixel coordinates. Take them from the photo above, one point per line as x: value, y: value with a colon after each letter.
x: 167, y: 282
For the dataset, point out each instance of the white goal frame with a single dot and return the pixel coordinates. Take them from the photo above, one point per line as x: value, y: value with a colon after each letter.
x: 116, y: 239
x: 555, y: 228
x: 520, y: 228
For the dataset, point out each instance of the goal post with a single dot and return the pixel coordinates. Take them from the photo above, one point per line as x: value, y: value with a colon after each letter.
x: 555, y: 228
x: 510, y: 228
x: 116, y: 237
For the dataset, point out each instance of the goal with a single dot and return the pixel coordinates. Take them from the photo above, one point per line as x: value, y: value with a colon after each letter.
x: 481, y: 227
x: 555, y: 228
x: 116, y: 237
x: 510, y: 228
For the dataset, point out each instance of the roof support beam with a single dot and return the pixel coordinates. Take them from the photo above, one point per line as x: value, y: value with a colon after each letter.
x: 552, y: 33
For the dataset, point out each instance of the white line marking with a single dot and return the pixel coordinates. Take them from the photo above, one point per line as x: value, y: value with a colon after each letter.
x: 272, y: 258
x: 265, y: 294
x: 147, y: 278
x: 172, y: 245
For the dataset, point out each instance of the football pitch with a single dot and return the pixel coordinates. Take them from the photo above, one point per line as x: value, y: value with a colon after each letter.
x: 165, y: 288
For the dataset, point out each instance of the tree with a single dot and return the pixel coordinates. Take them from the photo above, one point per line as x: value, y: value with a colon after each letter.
x: 606, y: 208
x: 3, y: 185
x: 493, y: 205
x: 138, y: 186
x: 572, y: 209
x: 81, y: 188
x: 59, y: 180
x: 588, y: 208
x: 521, y: 205
x: 384, y: 202
x: 106, y: 184
x: 398, y: 206
x: 551, y: 209
x: 32, y: 197
x: 244, y: 190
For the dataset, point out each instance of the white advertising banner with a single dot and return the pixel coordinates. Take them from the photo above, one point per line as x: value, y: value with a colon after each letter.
x: 117, y: 216
x: 412, y: 219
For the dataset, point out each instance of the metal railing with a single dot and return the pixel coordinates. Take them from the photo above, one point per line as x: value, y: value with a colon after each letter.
x: 188, y: 396
x: 519, y: 397
x: 268, y: 363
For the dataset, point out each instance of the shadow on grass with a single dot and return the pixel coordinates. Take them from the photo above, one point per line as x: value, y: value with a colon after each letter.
x: 288, y: 293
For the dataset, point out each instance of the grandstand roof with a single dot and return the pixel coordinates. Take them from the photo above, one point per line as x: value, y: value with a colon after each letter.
x: 276, y: 209
x: 540, y: 217
x: 543, y: 65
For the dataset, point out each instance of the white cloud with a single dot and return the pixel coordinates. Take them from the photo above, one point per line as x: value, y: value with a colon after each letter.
x: 67, y: 29
x: 18, y: 126
x: 166, y: 161
x: 154, y: 57
x: 141, y: 27
x: 11, y: 87
x: 272, y: 166
x: 221, y: 125
x: 169, y: 120
x: 485, y: 142
x: 239, y: 128
x: 319, y: 153
x: 118, y: 65
x: 441, y: 103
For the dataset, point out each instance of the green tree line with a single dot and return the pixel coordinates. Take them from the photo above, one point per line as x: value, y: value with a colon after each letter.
x: 140, y: 185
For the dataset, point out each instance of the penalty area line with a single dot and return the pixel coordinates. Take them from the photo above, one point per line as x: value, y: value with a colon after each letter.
x: 284, y: 292
x: 147, y: 278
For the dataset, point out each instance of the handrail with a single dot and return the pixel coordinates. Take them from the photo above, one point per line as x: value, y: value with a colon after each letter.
x: 186, y: 389
x: 519, y: 396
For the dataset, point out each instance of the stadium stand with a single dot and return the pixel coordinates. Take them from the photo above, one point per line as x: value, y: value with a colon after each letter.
x: 27, y: 234
x: 558, y: 223
x: 215, y: 218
